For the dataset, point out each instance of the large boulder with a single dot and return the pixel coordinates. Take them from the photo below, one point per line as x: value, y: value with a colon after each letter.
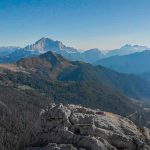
x: 72, y: 127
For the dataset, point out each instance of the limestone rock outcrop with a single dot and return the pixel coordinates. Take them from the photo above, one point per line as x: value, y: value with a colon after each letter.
x: 72, y: 127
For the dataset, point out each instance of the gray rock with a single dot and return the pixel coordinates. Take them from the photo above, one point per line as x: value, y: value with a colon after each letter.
x: 72, y: 127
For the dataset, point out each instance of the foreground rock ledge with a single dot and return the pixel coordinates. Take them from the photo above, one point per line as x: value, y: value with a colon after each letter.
x: 72, y: 127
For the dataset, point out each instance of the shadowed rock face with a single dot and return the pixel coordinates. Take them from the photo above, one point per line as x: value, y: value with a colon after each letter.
x: 72, y: 127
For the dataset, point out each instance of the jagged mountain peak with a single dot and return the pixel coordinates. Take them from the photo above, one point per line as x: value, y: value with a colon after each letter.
x: 94, y: 49
x: 47, y: 44
x: 127, y: 49
x: 134, y: 46
x: 46, y: 40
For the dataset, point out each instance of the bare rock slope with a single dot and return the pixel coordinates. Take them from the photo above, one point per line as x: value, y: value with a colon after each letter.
x: 72, y: 127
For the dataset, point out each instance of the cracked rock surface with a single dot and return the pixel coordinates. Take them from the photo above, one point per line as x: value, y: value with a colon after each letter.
x: 73, y: 127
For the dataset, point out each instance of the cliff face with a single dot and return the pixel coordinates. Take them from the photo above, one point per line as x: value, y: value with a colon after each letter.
x: 72, y: 127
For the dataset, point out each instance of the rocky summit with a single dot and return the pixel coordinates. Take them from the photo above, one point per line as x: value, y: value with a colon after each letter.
x: 73, y: 127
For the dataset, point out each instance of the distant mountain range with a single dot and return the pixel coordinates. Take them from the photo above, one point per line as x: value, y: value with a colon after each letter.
x: 7, y: 50
x: 128, y: 59
x: 13, y: 54
x: 40, y: 72
x: 51, y: 65
x: 45, y: 44
x: 137, y: 63
x: 126, y: 50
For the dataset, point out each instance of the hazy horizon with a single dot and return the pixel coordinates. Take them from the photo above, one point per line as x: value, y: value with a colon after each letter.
x: 104, y: 50
x: 83, y: 24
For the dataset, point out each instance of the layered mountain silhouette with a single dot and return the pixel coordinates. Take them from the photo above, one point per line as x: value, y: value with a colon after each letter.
x: 13, y: 54
x: 45, y: 44
x: 51, y: 65
x: 7, y: 50
x: 76, y: 82
x: 136, y: 63
x: 126, y: 50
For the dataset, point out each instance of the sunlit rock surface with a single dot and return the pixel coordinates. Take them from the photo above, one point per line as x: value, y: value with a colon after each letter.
x: 72, y: 127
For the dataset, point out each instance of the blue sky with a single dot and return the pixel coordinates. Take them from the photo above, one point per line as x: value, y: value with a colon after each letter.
x: 84, y: 24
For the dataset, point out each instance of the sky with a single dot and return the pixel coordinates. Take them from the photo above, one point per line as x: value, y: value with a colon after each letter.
x: 83, y: 24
